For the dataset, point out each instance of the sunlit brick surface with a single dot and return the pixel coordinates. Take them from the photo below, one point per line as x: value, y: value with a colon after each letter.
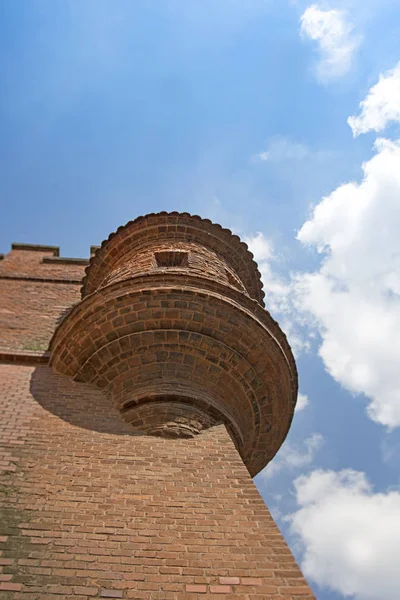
x: 172, y: 327
x: 123, y: 473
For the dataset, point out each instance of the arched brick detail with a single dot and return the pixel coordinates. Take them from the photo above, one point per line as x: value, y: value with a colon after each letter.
x: 128, y: 251
x: 196, y: 260
x: 182, y: 342
x: 170, y: 418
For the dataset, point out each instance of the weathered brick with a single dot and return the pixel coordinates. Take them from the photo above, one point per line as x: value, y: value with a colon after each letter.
x: 251, y: 581
x: 220, y: 589
x: 9, y: 586
x: 229, y: 580
x: 85, y: 590
x: 97, y: 504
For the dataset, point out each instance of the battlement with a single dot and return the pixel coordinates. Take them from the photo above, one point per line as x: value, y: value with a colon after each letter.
x: 37, y: 286
x: 45, y: 250
x: 55, y: 250
x: 41, y: 262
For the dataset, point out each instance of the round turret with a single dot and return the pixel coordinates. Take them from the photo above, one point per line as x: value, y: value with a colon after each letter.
x: 172, y: 326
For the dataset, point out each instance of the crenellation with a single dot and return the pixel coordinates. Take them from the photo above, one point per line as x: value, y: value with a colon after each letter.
x: 54, y: 250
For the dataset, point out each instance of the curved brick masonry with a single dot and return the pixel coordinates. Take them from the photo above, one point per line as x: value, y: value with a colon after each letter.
x: 212, y: 251
x: 172, y: 326
x: 122, y: 465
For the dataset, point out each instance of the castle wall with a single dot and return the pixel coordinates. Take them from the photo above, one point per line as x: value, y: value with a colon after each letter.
x: 34, y: 296
x: 91, y: 508
x: 30, y: 311
x: 87, y: 509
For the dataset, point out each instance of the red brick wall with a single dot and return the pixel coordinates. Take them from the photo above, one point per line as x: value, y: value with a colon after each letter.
x: 218, y: 248
x: 29, y: 263
x: 33, y: 297
x: 200, y: 261
x: 90, y: 510
x: 30, y: 310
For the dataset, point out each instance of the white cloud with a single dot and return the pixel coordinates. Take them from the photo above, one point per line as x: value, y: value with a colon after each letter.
x: 278, y: 292
x: 261, y: 247
x: 381, y: 106
x: 302, y: 402
x: 336, y: 40
x: 354, y: 297
x: 349, y: 534
x: 281, y: 148
x: 294, y: 456
x: 275, y: 288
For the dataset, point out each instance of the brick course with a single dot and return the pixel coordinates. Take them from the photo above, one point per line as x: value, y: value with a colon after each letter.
x: 94, y: 504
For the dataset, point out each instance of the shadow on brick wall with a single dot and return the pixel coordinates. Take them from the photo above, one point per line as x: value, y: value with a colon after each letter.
x: 80, y: 404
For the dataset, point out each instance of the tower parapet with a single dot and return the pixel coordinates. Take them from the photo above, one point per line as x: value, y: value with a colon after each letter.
x: 172, y: 326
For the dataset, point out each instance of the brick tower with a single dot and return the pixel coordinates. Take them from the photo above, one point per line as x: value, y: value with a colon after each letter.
x: 129, y: 441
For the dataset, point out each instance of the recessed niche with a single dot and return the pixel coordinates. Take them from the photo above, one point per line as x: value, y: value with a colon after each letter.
x: 172, y: 258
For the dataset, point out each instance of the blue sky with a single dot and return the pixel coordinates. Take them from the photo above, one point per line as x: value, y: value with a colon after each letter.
x: 238, y: 111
